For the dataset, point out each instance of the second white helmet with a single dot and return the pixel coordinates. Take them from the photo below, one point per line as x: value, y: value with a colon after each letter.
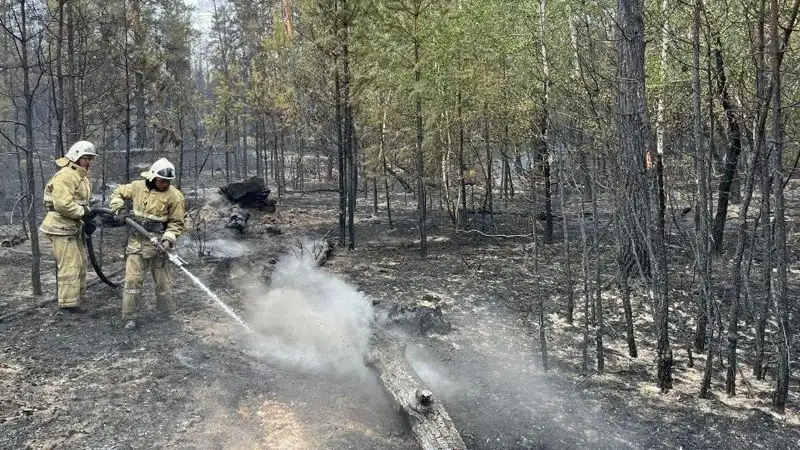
x: 79, y: 149
x: 160, y: 169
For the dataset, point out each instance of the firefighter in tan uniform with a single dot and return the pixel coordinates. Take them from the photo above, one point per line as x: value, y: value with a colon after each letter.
x: 159, y: 207
x: 67, y: 198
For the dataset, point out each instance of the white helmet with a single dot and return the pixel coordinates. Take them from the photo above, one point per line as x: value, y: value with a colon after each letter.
x: 80, y: 148
x: 160, y: 169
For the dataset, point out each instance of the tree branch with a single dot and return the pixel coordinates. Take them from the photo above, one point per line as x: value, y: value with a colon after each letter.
x: 12, y: 142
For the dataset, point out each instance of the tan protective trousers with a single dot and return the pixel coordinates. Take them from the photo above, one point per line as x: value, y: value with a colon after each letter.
x: 135, y: 267
x: 70, y: 255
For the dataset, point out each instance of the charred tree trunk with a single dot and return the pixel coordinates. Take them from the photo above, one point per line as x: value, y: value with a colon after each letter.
x: 537, y: 292
x: 422, y: 209
x: 258, y: 130
x: 702, y: 237
x: 544, y: 123
x: 733, y: 324
x: 567, y: 253
x: 625, y: 289
x: 58, y: 97
x: 488, y: 206
x: 181, y: 155
x: 245, y: 148
x: 701, y: 329
x: 351, y: 155
x: 586, y: 291
x: 588, y: 188
x: 661, y: 282
x: 641, y: 206
x: 353, y: 187
x: 430, y: 423
x: 342, y: 159
x: 781, y: 300
x: 599, y: 290
x: 385, y: 171
x: 36, y: 279
x: 71, y: 99
x: 762, y: 314
x: 461, y: 166
x: 634, y: 135
x: 281, y: 166
x: 734, y: 148
x: 128, y: 104
x: 139, y: 71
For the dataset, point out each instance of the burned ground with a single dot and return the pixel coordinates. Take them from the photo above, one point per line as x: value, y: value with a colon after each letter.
x: 199, y: 381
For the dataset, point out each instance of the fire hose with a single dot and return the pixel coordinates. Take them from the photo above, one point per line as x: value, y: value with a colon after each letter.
x: 95, y: 264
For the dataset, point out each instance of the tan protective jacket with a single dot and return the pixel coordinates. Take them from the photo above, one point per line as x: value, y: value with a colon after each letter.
x: 65, y: 196
x: 152, y: 205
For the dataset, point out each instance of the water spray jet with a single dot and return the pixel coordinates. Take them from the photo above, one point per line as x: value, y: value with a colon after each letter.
x: 214, y: 296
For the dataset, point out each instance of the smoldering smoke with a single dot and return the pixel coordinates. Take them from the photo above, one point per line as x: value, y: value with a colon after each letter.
x: 308, y: 318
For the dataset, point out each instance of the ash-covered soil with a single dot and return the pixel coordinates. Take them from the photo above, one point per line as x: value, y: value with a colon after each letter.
x: 199, y: 380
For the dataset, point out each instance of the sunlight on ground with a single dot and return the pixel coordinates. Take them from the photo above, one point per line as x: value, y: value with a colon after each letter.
x: 283, y: 429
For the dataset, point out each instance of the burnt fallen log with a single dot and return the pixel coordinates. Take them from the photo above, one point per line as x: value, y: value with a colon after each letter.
x: 238, y: 219
x: 13, y: 241
x: 424, y: 316
x: 250, y: 193
x: 431, y: 425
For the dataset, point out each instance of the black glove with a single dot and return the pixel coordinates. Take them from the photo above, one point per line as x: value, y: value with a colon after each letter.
x: 89, y: 227
x: 120, y: 217
x: 88, y: 213
x: 167, y: 244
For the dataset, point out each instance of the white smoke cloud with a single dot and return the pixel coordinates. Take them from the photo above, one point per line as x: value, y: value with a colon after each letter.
x: 308, y: 318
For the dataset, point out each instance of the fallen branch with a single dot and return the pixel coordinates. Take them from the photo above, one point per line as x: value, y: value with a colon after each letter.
x: 507, y: 236
x: 314, y: 191
x: 583, y: 380
x: 25, y: 310
x: 744, y: 380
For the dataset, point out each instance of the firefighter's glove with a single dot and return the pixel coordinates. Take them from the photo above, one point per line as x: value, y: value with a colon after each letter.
x: 119, y: 217
x: 89, y: 227
x: 167, y: 244
x: 88, y: 214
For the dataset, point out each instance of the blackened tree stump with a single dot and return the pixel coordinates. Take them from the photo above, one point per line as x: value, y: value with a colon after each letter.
x: 250, y: 193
